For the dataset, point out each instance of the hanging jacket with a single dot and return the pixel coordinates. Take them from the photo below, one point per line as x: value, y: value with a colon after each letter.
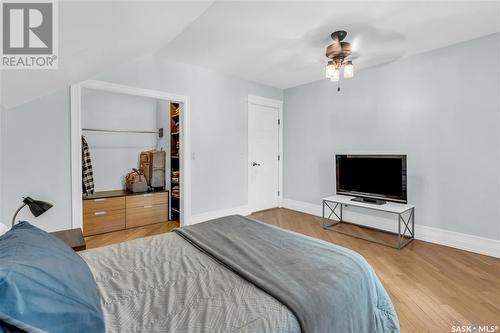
x: 87, y: 174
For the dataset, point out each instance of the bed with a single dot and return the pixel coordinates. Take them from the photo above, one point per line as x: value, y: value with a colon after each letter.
x: 235, y: 274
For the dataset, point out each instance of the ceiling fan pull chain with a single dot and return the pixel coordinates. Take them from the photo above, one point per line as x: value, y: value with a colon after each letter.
x: 338, y: 87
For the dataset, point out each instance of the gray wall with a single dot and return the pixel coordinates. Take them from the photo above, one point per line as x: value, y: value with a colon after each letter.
x: 441, y: 108
x: 36, y: 139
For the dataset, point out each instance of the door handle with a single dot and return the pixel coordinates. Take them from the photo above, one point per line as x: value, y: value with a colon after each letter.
x: 255, y: 164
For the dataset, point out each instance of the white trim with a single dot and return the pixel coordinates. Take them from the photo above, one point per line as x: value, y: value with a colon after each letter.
x: 76, y: 131
x: 481, y: 245
x: 129, y: 90
x: 264, y: 101
x: 240, y: 210
x: 76, y: 156
x: 274, y: 103
x: 476, y: 244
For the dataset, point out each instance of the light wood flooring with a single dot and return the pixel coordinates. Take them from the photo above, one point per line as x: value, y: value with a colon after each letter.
x: 128, y: 234
x: 432, y: 287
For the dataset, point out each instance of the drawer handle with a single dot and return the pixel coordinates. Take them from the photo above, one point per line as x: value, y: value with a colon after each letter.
x: 101, y: 199
x: 147, y: 195
x: 148, y: 206
x: 100, y: 213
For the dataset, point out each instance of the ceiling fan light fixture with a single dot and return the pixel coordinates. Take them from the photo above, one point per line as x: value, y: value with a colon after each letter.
x: 337, y: 54
x: 330, y: 69
x: 348, y: 69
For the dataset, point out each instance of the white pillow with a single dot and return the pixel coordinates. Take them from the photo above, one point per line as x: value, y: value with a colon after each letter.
x: 3, y: 229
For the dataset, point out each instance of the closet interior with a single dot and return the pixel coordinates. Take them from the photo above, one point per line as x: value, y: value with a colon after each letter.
x: 175, y: 204
x: 130, y: 161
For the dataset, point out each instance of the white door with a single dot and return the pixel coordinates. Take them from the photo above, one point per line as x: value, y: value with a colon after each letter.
x: 263, y: 156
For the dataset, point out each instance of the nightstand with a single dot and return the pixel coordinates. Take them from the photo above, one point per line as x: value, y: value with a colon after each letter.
x: 72, y: 237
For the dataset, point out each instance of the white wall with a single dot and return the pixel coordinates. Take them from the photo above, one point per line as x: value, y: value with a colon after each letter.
x: 115, y: 154
x: 36, y: 152
x: 1, y: 145
x: 163, y: 121
x: 36, y: 139
x: 441, y: 108
x: 218, y: 124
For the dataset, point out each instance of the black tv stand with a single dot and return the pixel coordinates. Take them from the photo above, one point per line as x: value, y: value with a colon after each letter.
x: 369, y: 200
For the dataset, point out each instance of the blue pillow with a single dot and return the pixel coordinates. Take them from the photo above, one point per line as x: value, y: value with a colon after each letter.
x: 45, y: 285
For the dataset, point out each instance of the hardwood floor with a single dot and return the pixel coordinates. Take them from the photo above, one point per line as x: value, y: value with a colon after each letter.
x: 432, y: 287
x: 129, y: 234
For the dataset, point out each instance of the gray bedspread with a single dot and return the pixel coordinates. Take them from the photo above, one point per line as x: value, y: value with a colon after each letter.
x: 327, y: 287
x: 165, y: 284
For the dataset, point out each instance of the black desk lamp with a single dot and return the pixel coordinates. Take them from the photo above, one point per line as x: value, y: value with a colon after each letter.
x: 37, y: 207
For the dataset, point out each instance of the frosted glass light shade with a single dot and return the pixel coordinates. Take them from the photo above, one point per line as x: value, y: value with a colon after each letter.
x: 348, y: 70
x: 330, y: 69
x: 336, y: 76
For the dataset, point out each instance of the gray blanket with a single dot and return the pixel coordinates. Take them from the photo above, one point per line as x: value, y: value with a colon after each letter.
x: 327, y: 287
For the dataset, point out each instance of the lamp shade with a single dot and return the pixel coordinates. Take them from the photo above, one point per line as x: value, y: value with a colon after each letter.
x: 330, y: 69
x: 336, y: 76
x: 348, y: 70
x: 37, y: 207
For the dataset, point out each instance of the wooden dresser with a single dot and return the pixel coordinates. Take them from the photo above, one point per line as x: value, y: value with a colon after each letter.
x: 117, y: 210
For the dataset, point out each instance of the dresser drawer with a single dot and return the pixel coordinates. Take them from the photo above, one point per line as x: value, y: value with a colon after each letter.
x: 103, y: 204
x: 146, y: 214
x: 103, y: 221
x: 145, y: 199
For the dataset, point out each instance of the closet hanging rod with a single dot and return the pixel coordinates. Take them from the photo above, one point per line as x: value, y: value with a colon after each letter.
x: 159, y: 132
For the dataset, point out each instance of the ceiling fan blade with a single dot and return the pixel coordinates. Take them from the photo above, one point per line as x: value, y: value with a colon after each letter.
x: 334, y: 50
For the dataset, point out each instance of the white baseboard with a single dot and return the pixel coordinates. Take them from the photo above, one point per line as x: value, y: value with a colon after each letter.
x: 476, y: 244
x: 240, y: 210
x: 481, y: 245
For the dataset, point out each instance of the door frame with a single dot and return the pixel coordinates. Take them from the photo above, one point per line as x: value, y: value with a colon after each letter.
x: 76, y: 144
x: 277, y: 104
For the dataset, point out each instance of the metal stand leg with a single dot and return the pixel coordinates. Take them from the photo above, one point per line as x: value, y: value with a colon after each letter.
x: 332, y: 212
x: 399, y: 231
x: 402, y: 236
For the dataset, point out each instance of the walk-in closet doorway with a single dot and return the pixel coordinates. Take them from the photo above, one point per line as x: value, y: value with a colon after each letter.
x: 176, y: 138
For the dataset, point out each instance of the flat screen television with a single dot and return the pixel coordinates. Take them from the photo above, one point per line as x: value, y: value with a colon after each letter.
x: 372, y: 178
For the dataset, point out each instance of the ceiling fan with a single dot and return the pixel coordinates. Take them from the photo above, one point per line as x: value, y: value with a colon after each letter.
x: 338, y: 52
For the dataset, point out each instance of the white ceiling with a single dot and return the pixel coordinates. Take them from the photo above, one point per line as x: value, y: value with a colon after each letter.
x: 94, y: 35
x: 280, y: 43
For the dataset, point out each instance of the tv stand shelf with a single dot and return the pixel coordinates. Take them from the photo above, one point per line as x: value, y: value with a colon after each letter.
x: 405, y: 212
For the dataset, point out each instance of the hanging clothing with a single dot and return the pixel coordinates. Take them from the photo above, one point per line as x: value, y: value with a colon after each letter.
x: 87, y: 174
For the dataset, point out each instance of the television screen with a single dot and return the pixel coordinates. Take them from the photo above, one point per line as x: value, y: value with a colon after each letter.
x: 372, y: 176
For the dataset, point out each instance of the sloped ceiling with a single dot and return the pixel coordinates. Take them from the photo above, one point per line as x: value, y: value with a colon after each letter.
x: 282, y: 43
x: 278, y: 43
x: 94, y: 35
